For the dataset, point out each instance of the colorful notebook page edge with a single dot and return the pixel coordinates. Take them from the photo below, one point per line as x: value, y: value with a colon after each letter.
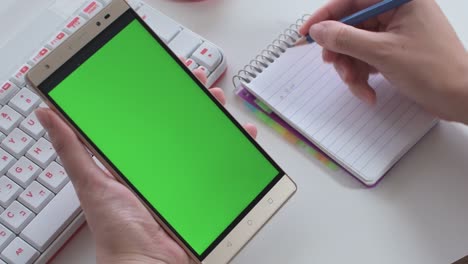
x: 262, y: 112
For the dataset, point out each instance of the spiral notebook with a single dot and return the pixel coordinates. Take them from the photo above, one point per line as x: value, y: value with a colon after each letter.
x: 310, y: 98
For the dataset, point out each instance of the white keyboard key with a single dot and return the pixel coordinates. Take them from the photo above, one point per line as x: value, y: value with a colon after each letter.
x: 9, y: 191
x: 191, y: 64
x: 6, y: 160
x: 208, y: 56
x: 35, y: 197
x: 38, y: 56
x: 17, y: 143
x: 25, y: 101
x: 163, y: 26
x: 205, y: 70
x: 19, y: 252
x: 185, y: 44
x: 32, y: 126
x: 6, y: 236
x: 16, y: 217
x: 91, y: 9
x: 20, y: 75
x: 57, y: 39
x: 9, y: 119
x: 74, y: 24
x: 48, y: 224
x: 54, y: 177
x: 7, y: 92
x: 24, y: 172
x: 42, y: 153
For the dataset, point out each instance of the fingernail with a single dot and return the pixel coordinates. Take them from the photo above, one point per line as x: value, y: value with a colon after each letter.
x: 317, y: 32
x: 367, y: 97
x: 362, y: 97
x: 370, y: 98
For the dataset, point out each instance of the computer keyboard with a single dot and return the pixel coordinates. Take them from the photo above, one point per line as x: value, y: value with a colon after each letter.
x: 39, y: 209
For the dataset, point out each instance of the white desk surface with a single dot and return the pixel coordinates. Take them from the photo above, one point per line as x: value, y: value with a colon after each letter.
x: 418, y: 213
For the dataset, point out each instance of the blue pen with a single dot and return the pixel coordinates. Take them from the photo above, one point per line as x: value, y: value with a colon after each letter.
x: 362, y: 16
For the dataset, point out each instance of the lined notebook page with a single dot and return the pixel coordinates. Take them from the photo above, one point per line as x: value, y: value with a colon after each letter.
x: 310, y: 96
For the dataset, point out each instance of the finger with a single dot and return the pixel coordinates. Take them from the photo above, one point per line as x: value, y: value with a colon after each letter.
x: 362, y: 90
x: 361, y: 82
x: 329, y: 56
x: 339, y: 9
x: 218, y: 93
x: 200, y: 75
x: 355, y: 75
x: 372, y: 24
x: 83, y: 172
x: 251, y: 129
x: 361, y: 44
x: 333, y: 10
x: 336, y: 57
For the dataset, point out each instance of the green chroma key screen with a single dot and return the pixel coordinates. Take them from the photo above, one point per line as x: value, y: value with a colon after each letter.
x: 165, y: 135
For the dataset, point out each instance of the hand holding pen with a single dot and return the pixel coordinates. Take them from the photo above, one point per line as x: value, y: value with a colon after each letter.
x: 413, y: 46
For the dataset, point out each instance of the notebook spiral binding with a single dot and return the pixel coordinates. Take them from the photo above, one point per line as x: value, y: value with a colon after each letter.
x: 270, y: 54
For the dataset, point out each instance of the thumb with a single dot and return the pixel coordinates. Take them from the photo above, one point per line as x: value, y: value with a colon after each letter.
x: 82, y: 170
x: 361, y: 44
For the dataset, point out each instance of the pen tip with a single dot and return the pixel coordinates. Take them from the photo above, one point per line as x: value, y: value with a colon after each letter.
x: 300, y: 42
x: 304, y: 40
